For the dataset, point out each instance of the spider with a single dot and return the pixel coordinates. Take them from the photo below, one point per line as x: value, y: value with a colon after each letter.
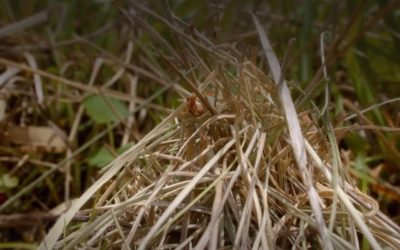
x: 194, y: 105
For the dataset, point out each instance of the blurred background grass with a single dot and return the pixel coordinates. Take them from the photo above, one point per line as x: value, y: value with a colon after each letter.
x: 363, y: 70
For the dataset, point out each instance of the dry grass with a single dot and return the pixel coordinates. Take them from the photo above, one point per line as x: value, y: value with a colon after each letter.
x: 227, y: 169
x: 235, y: 166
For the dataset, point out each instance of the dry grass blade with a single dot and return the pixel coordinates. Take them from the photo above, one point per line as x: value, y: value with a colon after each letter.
x: 345, y: 199
x: 24, y: 24
x: 115, y: 167
x: 78, y: 85
x: 36, y: 78
x: 6, y: 75
x: 372, y: 107
x: 174, y: 204
x: 296, y: 135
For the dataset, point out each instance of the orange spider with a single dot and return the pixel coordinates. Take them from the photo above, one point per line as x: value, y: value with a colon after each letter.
x: 194, y: 105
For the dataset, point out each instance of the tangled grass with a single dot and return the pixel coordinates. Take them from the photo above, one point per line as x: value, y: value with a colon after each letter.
x: 234, y: 166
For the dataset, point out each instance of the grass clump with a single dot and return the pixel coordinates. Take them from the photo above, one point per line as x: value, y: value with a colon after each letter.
x: 227, y: 169
x: 156, y: 135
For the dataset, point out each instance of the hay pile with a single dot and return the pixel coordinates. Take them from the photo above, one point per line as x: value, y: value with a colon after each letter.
x: 227, y: 169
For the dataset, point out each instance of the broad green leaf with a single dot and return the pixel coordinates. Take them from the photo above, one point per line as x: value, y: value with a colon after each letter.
x: 104, y: 156
x: 101, y: 158
x: 124, y: 148
x: 100, y: 110
x: 8, y: 182
x: 356, y: 143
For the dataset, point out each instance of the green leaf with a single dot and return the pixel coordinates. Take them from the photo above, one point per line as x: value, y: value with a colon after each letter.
x: 104, y: 156
x: 8, y: 182
x: 125, y: 147
x: 101, y: 158
x: 356, y: 143
x: 100, y: 110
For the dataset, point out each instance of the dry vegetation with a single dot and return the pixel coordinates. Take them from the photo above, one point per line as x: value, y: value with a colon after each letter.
x: 170, y: 141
